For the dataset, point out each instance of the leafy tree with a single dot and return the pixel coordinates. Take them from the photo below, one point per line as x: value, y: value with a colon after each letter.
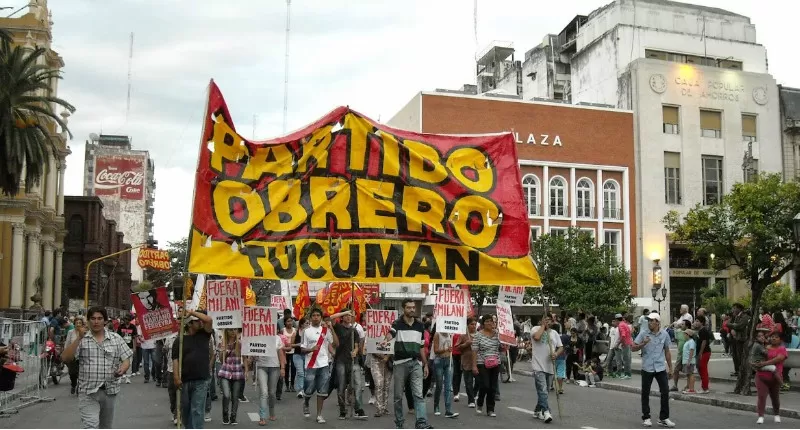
x: 479, y: 294
x: 751, y: 229
x: 714, y: 299
x: 26, y: 114
x: 177, y: 255
x: 776, y: 297
x: 578, y: 275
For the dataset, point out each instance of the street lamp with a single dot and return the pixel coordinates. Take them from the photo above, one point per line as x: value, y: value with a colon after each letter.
x: 657, y: 284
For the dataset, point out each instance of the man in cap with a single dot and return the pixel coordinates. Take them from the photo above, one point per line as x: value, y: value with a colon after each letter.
x: 193, y: 374
x: 656, y: 364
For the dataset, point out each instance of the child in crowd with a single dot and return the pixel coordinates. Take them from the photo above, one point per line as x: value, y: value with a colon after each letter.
x: 688, y: 360
x: 758, y: 352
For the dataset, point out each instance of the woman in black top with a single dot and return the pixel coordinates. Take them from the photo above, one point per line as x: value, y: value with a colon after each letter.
x: 299, y: 359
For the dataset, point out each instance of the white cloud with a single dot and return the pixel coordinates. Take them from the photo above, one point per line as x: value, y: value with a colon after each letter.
x: 373, y: 56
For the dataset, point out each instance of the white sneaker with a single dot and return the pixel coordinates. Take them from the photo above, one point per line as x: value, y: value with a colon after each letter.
x: 547, y: 417
x: 478, y: 411
x: 127, y: 380
x: 538, y: 415
x: 647, y: 423
x: 320, y: 420
x: 372, y: 400
x: 456, y: 399
x: 777, y: 418
x: 666, y: 423
x: 512, y: 379
x: 760, y: 420
x: 471, y: 405
x: 207, y: 418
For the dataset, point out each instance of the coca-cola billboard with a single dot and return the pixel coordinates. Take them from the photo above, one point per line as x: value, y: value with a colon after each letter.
x: 119, y: 175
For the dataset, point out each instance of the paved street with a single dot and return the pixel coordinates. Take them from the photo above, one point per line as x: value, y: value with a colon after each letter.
x: 145, y: 406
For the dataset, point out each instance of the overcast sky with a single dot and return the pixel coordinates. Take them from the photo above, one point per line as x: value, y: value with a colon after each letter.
x: 371, y: 55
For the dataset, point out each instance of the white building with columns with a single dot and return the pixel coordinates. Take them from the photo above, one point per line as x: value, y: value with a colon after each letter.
x: 32, y: 224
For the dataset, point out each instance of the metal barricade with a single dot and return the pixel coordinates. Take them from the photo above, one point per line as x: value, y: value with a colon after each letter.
x: 26, y: 357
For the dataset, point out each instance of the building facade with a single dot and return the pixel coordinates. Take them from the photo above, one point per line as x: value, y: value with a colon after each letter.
x: 31, y: 223
x: 705, y: 114
x: 124, y: 179
x: 92, y: 235
x: 577, y: 162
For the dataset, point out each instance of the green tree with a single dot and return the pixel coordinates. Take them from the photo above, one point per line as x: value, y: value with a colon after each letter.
x: 177, y: 255
x: 479, y: 294
x: 578, y: 275
x: 776, y: 297
x: 751, y: 229
x: 714, y: 299
x: 26, y: 113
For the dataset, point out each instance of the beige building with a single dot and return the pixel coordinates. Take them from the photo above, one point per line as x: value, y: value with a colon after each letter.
x: 32, y: 224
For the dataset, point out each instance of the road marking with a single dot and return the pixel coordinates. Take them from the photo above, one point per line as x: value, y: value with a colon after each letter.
x: 524, y: 411
x: 254, y: 417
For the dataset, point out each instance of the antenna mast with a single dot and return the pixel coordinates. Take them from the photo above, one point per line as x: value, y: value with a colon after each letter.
x: 130, y: 65
x: 286, y: 66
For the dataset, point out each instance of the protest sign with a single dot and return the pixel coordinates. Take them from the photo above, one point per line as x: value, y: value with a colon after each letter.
x: 378, y: 324
x: 225, y: 302
x: 348, y: 198
x: 505, y: 324
x: 452, y: 307
x: 259, y: 331
x: 511, y: 294
x: 154, y: 313
x: 279, y: 302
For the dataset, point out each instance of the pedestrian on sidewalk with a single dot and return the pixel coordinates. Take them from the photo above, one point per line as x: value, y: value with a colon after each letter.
x: 193, y: 374
x: 656, y: 364
x: 269, y: 369
x: 704, y: 340
x: 613, y: 355
x: 741, y: 321
x: 443, y: 365
x: 725, y: 335
x: 545, y: 347
x: 103, y: 357
x: 317, y: 339
x: 625, y: 343
x: 410, y: 364
x: 768, y: 383
x: 688, y: 359
x: 467, y: 360
x: 561, y: 359
x: 680, y: 337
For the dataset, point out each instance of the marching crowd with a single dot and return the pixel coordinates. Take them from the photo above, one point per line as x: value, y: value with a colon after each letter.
x: 316, y: 355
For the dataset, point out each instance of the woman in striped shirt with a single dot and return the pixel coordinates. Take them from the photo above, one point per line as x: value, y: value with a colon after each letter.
x: 486, y: 345
x: 232, y: 375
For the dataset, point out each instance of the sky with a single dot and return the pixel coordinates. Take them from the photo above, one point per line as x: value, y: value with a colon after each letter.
x: 373, y: 56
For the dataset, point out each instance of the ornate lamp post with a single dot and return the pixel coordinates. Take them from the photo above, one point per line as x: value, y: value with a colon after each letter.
x: 657, y: 285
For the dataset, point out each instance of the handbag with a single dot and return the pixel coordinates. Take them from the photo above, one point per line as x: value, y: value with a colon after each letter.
x: 491, y: 362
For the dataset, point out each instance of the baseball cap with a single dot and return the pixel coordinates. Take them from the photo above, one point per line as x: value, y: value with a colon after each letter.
x: 654, y: 316
x: 617, y: 316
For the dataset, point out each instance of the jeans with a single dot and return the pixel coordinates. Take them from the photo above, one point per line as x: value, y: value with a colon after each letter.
x: 488, y: 381
x: 457, y: 374
x: 768, y: 385
x: 349, y: 375
x: 702, y: 368
x: 267, y: 386
x: 97, y: 410
x: 193, y: 398
x: 409, y: 371
x: 469, y: 385
x: 663, y: 386
x: 542, y: 381
x: 299, y: 361
x: 151, y: 361
x: 444, y: 379
x: 626, y: 360
x: 230, y: 395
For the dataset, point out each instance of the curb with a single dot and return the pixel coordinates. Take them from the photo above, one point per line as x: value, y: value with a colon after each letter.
x: 698, y: 399
x: 793, y: 387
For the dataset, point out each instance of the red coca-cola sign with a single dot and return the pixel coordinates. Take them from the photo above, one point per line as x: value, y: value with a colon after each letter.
x: 119, y: 175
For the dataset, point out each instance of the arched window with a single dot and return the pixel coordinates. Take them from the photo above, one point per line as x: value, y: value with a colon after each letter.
x: 558, y: 196
x: 584, y: 198
x: 75, y: 235
x: 611, y: 206
x: 530, y: 189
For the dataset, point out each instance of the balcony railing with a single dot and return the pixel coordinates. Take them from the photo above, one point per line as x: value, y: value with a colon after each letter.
x: 534, y: 210
x: 612, y: 213
x: 585, y: 212
x: 559, y: 211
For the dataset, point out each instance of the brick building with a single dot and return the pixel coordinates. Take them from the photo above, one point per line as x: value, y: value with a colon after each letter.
x: 91, y: 236
x: 576, y: 162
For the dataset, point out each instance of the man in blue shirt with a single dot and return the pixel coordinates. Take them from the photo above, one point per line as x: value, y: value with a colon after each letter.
x: 656, y: 364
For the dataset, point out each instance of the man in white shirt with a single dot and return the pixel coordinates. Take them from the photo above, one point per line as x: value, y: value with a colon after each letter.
x: 685, y: 316
x: 316, y: 341
x: 545, y: 347
x: 614, y: 354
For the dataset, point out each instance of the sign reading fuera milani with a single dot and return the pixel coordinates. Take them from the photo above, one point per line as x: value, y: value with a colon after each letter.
x: 538, y: 139
x: 716, y: 90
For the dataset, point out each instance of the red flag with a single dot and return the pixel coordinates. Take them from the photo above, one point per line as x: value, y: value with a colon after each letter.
x: 302, y: 301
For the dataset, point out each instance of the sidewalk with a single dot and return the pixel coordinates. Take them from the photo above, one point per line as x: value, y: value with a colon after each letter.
x: 721, y: 395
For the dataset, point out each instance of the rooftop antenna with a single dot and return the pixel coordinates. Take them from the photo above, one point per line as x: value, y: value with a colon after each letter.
x: 130, y: 64
x: 286, y: 66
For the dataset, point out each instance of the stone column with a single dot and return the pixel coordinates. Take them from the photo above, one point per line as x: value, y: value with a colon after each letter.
x: 57, y: 297
x: 50, y: 183
x: 17, y: 259
x: 32, y: 266
x: 47, y: 274
x: 60, y: 207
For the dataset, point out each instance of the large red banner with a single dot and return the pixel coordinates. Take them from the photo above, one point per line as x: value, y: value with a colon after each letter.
x: 154, y: 313
x: 119, y: 174
x: 350, y: 199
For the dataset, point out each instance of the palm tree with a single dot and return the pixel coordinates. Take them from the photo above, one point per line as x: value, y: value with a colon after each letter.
x: 26, y: 108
